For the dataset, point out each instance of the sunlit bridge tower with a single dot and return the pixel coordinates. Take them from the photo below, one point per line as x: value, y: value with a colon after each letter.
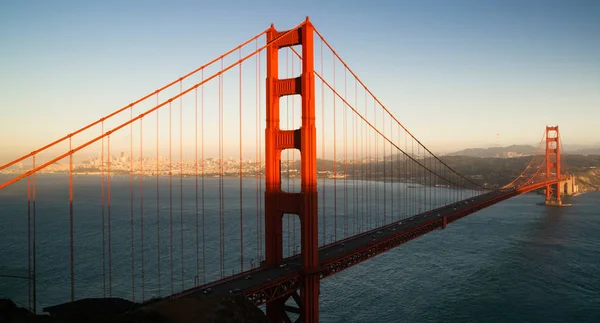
x: 277, y: 202
x: 552, y: 165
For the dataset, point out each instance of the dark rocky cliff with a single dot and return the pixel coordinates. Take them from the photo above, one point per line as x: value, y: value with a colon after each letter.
x: 228, y: 309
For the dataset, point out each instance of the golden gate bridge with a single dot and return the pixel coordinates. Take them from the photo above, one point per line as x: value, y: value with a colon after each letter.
x: 255, y: 225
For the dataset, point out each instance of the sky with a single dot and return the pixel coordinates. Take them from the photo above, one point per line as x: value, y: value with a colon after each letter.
x: 457, y: 74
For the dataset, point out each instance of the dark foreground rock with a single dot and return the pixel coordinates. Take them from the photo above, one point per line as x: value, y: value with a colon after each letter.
x: 91, y: 310
x: 10, y: 313
x: 229, y: 309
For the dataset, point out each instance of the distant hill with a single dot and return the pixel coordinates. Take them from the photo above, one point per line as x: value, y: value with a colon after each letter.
x: 586, y: 151
x: 517, y: 150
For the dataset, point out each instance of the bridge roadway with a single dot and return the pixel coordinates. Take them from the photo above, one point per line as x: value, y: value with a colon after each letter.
x: 266, y: 283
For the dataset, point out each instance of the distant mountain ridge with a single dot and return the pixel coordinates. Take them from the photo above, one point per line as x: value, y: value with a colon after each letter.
x: 585, y: 151
x: 496, y: 151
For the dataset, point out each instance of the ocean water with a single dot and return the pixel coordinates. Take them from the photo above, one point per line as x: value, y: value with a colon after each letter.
x: 513, y: 262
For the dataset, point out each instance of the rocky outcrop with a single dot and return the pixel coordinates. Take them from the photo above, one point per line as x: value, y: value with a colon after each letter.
x: 230, y: 309
x: 11, y: 313
x: 589, y: 180
x: 227, y: 309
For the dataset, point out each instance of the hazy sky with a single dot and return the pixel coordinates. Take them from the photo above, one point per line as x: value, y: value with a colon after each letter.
x: 456, y: 73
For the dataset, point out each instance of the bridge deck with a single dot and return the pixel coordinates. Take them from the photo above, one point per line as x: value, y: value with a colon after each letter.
x: 264, y: 284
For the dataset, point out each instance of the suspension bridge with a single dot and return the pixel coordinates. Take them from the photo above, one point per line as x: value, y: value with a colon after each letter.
x: 323, y: 177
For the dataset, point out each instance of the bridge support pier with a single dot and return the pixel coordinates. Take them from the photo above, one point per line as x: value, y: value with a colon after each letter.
x: 305, y: 203
x: 553, y: 194
x: 276, y: 310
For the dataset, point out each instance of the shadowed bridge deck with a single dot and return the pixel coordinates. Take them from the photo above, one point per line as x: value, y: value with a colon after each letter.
x: 266, y: 283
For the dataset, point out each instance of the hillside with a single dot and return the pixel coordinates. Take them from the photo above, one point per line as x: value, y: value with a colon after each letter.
x: 495, y: 151
x: 500, y: 171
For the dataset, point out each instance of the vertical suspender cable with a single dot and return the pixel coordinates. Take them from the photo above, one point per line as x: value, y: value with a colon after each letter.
x: 334, y: 160
x: 287, y: 151
x: 241, y: 173
x: 71, y: 249
x: 354, y: 147
x: 324, y: 215
x: 34, y: 180
x: 345, y: 156
x: 131, y: 203
x: 202, y: 159
x: 103, y: 219
x: 294, y: 166
x: 142, y: 208
x: 221, y: 215
x: 376, y: 140
x: 392, y: 171
x: 256, y: 163
x: 181, y: 179
x: 171, y: 195
x: 260, y: 191
x: 158, y: 278
x: 29, y: 242
x: 197, y: 277
x: 384, y: 170
x: 109, y: 220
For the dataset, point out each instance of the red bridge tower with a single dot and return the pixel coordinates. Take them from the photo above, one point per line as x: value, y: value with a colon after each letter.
x: 277, y: 202
x: 552, y: 165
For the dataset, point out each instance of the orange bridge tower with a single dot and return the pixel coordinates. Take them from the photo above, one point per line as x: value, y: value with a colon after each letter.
x: 553, y: 165
x: 277, y: 202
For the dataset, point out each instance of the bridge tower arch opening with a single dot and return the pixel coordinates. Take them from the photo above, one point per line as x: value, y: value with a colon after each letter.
x: 553, y: 192
x: 305, y: 202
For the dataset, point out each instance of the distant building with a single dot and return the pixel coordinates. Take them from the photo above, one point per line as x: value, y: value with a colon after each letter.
x: 509, y: 154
